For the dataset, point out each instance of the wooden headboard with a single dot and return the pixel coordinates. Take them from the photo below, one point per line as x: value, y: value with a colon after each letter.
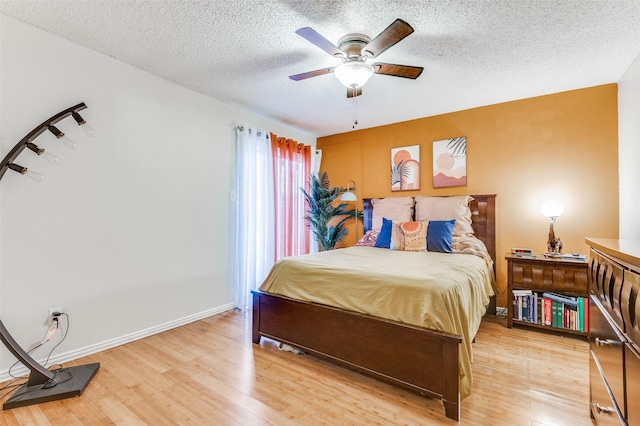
x: 483, y: 216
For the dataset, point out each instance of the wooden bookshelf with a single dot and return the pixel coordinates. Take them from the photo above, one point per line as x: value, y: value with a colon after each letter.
x: 540, y: 274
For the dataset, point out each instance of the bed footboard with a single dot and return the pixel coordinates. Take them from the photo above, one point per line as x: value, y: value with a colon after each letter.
x: 422, y: 360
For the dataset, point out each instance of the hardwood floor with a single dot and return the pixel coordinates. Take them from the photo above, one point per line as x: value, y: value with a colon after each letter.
x: 209, y: 373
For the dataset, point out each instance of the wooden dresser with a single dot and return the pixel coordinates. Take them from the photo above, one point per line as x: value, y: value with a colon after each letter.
x: 614, y: 333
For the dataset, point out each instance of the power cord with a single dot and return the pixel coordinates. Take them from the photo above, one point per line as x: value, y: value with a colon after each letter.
x: 18, y: 362
x: 53, y: 328
x: 57, y: 324
x: 58, y: 379
x: 12, y: 385
x: 64, y: 335
x: 47, y: 385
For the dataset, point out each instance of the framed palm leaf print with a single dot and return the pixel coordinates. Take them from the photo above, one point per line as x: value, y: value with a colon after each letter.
x: 405, y: 168
x: 450, y: 162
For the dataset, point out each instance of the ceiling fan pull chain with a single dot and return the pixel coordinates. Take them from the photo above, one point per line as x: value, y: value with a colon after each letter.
x: 355, y: 113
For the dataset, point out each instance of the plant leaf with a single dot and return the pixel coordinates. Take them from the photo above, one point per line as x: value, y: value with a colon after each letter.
x: 322, y: 209
x: 458, y: 145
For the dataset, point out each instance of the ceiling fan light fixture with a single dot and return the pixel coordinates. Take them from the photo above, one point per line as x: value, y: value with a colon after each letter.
x: 353, y: 74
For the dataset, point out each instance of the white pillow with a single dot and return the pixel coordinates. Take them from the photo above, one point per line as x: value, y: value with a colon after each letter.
x: 398, y: 209
x: 446, y: 208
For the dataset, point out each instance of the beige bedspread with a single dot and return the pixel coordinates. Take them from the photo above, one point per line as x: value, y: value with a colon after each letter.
x: 445, y: 292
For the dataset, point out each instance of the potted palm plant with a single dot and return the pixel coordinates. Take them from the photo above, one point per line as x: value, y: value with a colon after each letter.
x: 326, y: 216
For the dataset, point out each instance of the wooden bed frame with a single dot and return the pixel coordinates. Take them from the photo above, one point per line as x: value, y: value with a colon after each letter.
x: 420, y: 359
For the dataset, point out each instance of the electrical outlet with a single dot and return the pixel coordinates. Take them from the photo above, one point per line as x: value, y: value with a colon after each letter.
x: 51, y: 312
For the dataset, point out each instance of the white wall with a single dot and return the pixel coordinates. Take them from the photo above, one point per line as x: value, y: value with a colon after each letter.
x: 129, y: 233
x: 629, y: 151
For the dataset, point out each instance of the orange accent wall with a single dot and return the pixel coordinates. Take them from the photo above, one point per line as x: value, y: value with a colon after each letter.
x: 562, y: 146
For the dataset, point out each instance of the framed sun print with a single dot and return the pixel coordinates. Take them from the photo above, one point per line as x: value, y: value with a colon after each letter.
x: 450, y: 162
x: 405, y: 168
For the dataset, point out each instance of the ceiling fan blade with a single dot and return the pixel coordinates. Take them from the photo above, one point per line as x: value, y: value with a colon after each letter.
x: 406, y: 71
x: 316, y: 38
x: 352, y: 93
x: 309, y: 74
x: 395, y: 32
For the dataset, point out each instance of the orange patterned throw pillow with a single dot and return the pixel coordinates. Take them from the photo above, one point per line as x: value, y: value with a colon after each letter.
x: 409, y: 236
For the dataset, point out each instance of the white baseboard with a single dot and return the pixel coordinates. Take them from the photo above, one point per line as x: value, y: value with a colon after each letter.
x: 112, y: 343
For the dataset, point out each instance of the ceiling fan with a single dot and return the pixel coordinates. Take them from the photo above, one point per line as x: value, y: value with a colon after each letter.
x: 355, y: 50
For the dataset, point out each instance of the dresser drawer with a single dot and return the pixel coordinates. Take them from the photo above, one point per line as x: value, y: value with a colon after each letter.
x: 604, y: 409
x: 632, y: 363
x: 605, y: 282
x: 606, y: 347
x: 630, y: 306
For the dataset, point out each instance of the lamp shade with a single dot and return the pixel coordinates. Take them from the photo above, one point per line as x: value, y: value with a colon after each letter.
x: 552, y: 208
x: 353, y: 74
x: 348, y: 196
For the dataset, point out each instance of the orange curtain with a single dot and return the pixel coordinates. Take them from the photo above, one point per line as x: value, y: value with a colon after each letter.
x: 291, y: 169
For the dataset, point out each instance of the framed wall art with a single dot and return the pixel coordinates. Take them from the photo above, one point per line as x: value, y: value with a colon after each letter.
x: 450, y: 162
x: 405, y: 168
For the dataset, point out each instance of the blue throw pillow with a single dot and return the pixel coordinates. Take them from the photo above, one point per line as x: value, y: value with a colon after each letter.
x: 440, y: 235
x: 384, y: 237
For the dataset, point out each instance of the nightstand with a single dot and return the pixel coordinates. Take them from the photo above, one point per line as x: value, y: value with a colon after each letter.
x: 548, y: 293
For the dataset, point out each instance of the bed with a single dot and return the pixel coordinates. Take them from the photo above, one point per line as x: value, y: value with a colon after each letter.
x: 420, y: 357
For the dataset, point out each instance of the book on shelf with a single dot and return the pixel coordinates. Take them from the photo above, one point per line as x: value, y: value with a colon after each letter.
x: 586, y: 314
x: 569, y: 313
x: 547, y: 311
x: 555, y: 307
x: 561, y: 298
x: 551, y: 310
x: 524, y: 316
x: 581, y: 314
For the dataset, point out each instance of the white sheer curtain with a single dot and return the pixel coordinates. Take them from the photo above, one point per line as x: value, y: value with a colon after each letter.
x: 253, y: 253
x: 316, y: 159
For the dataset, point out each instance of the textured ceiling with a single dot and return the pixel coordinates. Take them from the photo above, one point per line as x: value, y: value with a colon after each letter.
x: 474, y: 52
